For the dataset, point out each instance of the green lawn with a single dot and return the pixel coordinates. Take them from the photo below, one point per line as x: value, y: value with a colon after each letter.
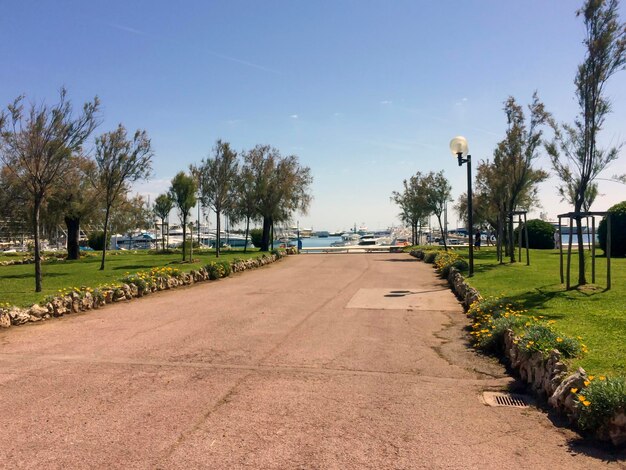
x: 599, y: 316
x: 17, y: 283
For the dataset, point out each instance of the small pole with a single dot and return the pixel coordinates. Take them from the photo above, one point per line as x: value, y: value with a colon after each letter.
x: 569, y: 251
x: 593, y: 249
x: 527, y: 241
x: 561, y: 251
x: 608, y: 251
x: 519, y: 237
x: 470, y: 214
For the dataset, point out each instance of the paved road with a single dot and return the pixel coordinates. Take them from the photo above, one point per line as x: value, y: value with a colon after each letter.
x: 320, y: 361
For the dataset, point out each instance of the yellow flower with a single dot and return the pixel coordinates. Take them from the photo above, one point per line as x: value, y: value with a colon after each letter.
x: 582, y: 397
x: 602, y: 377
x: 586, y: 403
x: 591, y: 377
x: 586, y: 382
x: 573, y: 390
x: 559, y: 340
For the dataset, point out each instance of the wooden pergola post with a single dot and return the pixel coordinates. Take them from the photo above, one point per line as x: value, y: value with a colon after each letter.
x: 561, y: 251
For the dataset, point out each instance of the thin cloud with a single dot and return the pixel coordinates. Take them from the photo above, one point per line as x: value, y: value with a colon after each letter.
x: 243, y: 62
x: 386, y: 102
x: 128, y: 29
x: 294, y: 116
x: 138, y: 32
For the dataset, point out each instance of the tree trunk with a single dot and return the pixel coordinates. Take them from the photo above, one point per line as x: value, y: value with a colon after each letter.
x: 245, y: 246
x: 443, y: 234
x: 265, y: 240
x: 37, y: 248
x: 73, y: 236
x: 272, y: 233
x: 184, y: 235
x: 511, y: 240
x: 163, y: 234
x: 104, y: 246
x: 582, y: 280
x: 218, y: 238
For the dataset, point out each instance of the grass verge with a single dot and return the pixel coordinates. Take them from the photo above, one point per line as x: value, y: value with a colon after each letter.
x: 591, y: 312
x: 17, y: 283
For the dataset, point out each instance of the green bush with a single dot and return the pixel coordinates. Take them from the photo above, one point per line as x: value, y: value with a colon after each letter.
x: 227, y: 269
x: 618, y: 230
x: 600, y: 399
x: 96, y: 240
x: 540, y: 234
x: 256, y: 235
x: 429, y: 256
x: 542, y: 338
x: 215, y: 270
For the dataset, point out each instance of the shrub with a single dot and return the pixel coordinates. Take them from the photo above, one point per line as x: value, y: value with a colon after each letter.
x: 215, y: 270
x: 599, y: 400
x: 444, y: 260
x: 618, y: 230
x: 542, y: 338
x: 256, y: 235
x: 429, y: 256
x: 540, y: 234
x: 96, y: 240
x: 227, y: 269
x: 490, y: 320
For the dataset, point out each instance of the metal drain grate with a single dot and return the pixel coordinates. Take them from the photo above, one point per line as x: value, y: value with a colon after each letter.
x: 506, y: 399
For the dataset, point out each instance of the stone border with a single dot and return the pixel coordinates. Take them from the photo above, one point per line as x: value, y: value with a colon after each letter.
x: 75, y: 302
x: 548, y: 377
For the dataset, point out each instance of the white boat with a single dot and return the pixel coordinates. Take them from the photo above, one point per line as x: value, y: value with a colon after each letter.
x: 348, y: 239
x: 371, y: 240
x: 135, y: 241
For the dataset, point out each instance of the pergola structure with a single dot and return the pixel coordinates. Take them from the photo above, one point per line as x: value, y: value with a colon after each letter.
x: 592, y: 244
x: 511, y: 215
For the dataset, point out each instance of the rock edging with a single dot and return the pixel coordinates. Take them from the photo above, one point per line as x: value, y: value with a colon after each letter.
x: 548, y: 377
x: 95, y: 298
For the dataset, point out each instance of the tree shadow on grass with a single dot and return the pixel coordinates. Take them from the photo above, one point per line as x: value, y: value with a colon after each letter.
x: 31, y: 275
x: 130, y: 267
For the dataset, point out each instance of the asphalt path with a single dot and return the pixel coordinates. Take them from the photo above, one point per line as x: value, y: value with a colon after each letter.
x: 318, y: 361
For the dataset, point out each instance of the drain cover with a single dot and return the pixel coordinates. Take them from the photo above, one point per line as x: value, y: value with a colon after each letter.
x: 506, y: 399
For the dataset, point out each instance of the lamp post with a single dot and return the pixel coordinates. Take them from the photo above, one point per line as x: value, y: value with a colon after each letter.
x: 459, y: 148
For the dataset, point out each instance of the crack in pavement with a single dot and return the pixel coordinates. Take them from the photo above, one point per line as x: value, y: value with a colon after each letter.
x: 277, y: 368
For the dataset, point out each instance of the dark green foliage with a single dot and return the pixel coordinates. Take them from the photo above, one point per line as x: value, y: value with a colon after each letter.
x: 618, y: 230
x: 605, y: 397
x: 227, y: 269
x: 256, y: 235
x: 96, y: 240
x: 540, y: 234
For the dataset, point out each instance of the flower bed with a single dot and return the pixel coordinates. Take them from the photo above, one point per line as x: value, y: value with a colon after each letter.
x: 80, y: 299
x: 539, y: 353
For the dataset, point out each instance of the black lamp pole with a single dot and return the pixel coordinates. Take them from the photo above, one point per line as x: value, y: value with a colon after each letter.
x: 470, y: 212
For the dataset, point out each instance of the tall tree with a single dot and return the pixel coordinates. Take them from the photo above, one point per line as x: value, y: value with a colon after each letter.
x: 246, y: 190
x: 218, y: 178
x: 120, y: 161
x: 183, y: 194
x: 282, y: 184
x: 163, y: 205
x: 413, y: 203
x: 514, y: 156
x: 438, y: 190
x: 575, y: 155
x: 73, y: 200
x: 36, y: 146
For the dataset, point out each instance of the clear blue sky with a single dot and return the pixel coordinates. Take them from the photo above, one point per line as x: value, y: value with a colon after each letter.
x: 366, y: 93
